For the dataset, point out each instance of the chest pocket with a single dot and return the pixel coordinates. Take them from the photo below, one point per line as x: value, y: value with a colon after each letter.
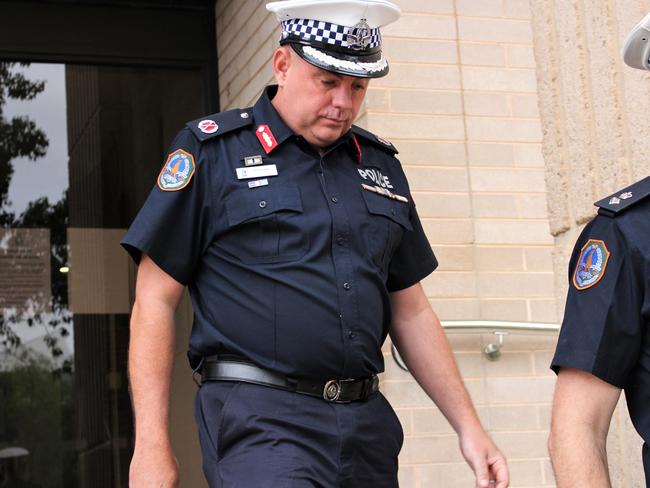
x: 388, y: 219
x: 265, y: 225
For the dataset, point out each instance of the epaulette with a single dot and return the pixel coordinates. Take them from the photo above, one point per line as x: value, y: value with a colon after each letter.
x: 623, y: 199
x: 375, y: 139
x: 218, y: 124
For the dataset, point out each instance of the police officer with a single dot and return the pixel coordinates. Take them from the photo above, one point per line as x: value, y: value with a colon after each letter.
x: 300, y: 244
x: 604, y: 344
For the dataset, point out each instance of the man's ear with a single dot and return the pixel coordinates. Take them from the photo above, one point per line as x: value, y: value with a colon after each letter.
x: 281, y: 64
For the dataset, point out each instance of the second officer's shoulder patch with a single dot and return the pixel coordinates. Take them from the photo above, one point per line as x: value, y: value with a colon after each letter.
x: 591, y: 264
x: 177, y: 171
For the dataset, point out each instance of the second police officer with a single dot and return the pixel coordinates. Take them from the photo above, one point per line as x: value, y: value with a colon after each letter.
x: 604, y: 344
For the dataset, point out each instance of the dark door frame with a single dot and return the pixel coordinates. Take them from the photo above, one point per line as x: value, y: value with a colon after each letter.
x: 152, y: 33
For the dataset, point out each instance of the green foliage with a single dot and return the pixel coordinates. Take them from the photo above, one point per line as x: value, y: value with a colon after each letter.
x: 37, y: 413
x: 19, y: 137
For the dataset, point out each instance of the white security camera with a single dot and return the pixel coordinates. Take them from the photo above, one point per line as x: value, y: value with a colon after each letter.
x: 636, y: 50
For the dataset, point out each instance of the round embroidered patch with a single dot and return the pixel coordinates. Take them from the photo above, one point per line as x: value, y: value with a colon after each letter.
x: 591, y: 264
x: 208, y: 126
x: 177, y: 172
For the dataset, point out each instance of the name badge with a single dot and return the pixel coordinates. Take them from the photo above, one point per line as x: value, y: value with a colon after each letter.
x: 257, y: 172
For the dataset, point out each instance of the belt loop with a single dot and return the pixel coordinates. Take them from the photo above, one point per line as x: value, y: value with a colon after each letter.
x: 195, y: 371
x: 370, y: 386
x: 292, y: 384
x: 365, y: 389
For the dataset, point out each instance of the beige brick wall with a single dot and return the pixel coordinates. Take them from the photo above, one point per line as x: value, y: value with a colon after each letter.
x: 461, y: 104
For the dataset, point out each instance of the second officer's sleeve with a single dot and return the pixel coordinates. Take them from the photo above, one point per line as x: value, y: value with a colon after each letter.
x: 602, y: 328
x: 172, y: 228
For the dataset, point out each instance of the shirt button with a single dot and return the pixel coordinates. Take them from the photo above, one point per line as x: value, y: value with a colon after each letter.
x: 335, y: 200
x: 351, y: 335
x: 392, y: 211
x: 346, y: 286
x: 263, y: 204
x: 340, y: 240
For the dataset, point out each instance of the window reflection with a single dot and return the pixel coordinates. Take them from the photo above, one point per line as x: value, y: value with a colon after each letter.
x: 80, y: 148
x: 36, y: 343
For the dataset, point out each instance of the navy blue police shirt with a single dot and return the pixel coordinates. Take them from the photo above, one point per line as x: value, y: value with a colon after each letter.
x: 289, y: 257
x: 605, y: 329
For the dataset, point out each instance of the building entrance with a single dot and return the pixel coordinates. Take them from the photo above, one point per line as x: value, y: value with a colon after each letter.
x: 80, y: 148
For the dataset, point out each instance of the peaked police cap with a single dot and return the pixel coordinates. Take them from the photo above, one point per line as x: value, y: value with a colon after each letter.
x: 341, y: 36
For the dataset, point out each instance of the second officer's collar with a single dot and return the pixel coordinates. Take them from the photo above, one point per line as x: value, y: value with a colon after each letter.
x: 269, y: 123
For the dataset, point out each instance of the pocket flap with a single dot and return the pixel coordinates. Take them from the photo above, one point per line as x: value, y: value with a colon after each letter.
x: 247, y: 204
x: 387, y: 207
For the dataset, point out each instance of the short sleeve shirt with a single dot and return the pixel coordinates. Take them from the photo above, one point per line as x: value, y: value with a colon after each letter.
x: 289, y: 256
x: 605, y: 326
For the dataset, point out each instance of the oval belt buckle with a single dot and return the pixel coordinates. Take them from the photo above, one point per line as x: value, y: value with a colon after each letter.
x: 332, y: 391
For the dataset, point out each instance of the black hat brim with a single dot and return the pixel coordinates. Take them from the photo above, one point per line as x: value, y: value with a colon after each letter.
x: 362, y: 65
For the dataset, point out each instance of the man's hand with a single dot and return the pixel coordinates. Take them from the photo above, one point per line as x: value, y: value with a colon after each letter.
x: 487, y: 462
x: 420, y: 339
x: 153, y: 467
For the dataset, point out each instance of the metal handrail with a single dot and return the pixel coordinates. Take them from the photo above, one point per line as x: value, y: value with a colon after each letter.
x: 499, y: 328
x: 498, y: 325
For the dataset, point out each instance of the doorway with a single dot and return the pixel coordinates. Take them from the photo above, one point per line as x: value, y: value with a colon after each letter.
x: 80, y: 150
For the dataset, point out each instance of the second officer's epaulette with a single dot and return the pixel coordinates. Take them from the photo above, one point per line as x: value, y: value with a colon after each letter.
x: 623, y: 199
x: 375, y: 139
x: 218, y: 124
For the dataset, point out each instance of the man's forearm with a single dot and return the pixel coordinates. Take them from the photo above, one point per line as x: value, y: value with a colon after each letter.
x: 419, y: 337
x: 579, y: 457
x: 582, y: 411
x: 425, y: 349
x: 151, y: 354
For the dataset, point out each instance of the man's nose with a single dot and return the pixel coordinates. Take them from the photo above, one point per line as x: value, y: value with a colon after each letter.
x: 342, y: 97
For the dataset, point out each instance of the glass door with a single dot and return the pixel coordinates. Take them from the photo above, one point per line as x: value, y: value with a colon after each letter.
x: 80, y: 148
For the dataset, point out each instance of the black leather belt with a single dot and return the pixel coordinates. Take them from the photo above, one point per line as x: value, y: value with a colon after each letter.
x: 337, y: 391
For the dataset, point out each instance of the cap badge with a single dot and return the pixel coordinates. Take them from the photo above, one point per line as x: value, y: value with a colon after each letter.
x: 614, y: 201
x: 360, y: 35
x: 626, y: 195
x: 591, y: 264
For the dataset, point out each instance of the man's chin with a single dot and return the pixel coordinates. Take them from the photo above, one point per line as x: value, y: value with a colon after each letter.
x: 326, y: 136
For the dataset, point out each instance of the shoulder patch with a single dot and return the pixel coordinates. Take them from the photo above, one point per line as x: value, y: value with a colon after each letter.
x: 219, y: 124
x: 624, y: 199
x: 177, y: 171
x: 591, y: 265
x: 369, y: 136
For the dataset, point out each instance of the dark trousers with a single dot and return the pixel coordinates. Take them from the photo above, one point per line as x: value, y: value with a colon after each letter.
x: 259, y: 437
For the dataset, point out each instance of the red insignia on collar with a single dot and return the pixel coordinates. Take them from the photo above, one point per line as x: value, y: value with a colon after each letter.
x: 356, y: 144
x: 266, y: 138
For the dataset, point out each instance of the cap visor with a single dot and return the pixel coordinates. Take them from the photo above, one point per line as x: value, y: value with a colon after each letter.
x: 362, y: 66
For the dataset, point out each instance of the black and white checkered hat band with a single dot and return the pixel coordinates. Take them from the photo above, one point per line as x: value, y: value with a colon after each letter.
x: 326, y: 32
